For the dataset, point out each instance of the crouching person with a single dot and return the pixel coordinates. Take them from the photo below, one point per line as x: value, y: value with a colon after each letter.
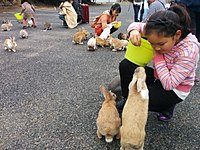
x: 68, y: 14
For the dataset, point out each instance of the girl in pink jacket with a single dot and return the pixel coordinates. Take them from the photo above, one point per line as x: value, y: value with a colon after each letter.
x: 28, y: 11
x: 176, y: 54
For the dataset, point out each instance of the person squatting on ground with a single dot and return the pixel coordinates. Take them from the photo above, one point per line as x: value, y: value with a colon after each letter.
x: 106, y: 19
x: 68, y: 14
x: 176, y: 55
x: 28, y: 12
x: 193, y: 7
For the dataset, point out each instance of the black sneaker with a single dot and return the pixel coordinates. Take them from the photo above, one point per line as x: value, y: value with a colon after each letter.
x: 120, y: 104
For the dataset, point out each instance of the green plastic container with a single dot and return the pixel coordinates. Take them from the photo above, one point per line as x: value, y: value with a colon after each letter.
x: 18, y: 16
x: 139, y: 55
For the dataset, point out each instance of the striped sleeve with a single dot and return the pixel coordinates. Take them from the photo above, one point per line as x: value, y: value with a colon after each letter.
x: 177, y: 73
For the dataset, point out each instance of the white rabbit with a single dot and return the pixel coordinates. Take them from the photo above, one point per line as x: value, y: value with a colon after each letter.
x: 92, y: 44
x: 29, y: 23
x: 124, y: 44
x: 10, y: 44
x: 106, y: 32
x: 135, y: 113
x: 6, y: 26
x: 108, y: 121
x: 23, y: 34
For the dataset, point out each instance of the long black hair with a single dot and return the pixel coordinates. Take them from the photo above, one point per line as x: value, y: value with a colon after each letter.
x: 169, y: 21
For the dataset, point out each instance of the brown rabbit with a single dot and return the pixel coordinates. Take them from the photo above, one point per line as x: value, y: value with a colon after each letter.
x: 6, y: 26
x: 47, y: 26
x: 122, y: 36
x: 80, y: 36
x: 10, y: 44
x: 116, y: 44
x: 101, y: 42
x: 108, y: 121
x: 135, y: 113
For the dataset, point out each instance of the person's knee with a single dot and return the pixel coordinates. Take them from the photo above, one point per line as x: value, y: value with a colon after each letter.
x: 61, y: 17
x: 123, y: 65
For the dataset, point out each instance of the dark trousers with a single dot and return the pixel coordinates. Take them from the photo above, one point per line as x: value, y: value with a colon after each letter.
x: 62, y: 17
x: 78, y: 9
x: 195, y: 23
x: 160, y: 100
x: 136, y: 9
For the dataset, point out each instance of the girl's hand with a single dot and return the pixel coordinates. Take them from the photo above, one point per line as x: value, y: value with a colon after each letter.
x: 114, y: 22
x: 135, y: 37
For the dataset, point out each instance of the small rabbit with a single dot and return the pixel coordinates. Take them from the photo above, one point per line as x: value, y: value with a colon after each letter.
x: 122, y: 36
x: 10, y: 44
x: 6, y: 26
x: 135, y: 113
x: 108, y: 121
x: 23, y: 34
x: 101, y: 42
x: 91, y: 44
x: 47, y: 26
x: 124, y: 44
x: 30, y: 23
x: 115, y: 44
x: 5, y: 21
x: 80, y: 36
x: 106, y: 32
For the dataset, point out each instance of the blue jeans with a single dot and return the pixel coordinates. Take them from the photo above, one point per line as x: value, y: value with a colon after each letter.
x: 62, y: 17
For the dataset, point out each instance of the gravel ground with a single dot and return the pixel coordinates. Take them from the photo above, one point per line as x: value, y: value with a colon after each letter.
x: 50, y: 92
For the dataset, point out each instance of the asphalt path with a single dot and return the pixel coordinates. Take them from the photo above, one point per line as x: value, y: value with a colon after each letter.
x: 50, y: 97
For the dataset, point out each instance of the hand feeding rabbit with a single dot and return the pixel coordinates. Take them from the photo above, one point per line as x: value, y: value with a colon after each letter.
x: 108, y: 121
x: 80, y: 36
x: 10, y: 44
x: 135, y: 113
x: 6, y: 26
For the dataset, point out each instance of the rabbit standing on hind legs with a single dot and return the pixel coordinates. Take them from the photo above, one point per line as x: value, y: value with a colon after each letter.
x: 135, y: 113
x: 108, y: 120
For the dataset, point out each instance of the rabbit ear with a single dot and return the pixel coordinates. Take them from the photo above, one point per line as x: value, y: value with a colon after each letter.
x: 132, y: 83
x: 107, y: 95
x: 13, y: 38
x: 140, y: 85
x: 103, y: 90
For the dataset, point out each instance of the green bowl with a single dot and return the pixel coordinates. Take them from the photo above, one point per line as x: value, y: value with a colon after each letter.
x: 139, y: 55
x: 18, y: 16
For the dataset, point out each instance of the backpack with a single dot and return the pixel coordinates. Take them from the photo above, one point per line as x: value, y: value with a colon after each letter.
x: 94, y: 22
